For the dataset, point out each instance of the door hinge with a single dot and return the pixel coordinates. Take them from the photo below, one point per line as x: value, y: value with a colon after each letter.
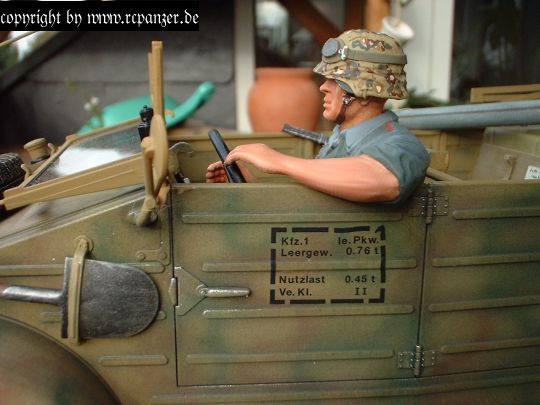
x: 429, y: 206
x: 417, y: 360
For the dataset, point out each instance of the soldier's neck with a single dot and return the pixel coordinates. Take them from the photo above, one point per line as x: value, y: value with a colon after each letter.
x: 362, y: 110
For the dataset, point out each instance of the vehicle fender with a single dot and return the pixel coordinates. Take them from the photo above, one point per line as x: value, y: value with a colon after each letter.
x: 34, y: 369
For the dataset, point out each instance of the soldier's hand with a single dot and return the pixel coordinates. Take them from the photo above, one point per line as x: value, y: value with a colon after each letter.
x: 260, y: 155
x: 215, y: 173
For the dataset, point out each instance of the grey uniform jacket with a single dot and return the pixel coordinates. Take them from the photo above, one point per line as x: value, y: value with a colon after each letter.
x: 386, y: 141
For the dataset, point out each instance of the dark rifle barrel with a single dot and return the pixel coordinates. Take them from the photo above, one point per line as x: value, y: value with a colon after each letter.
x: 304, y: 133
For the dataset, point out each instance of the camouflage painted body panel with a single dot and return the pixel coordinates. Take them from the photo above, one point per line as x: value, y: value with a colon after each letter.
x: 35, y: 370
x: 327, y: 268
x: 34, y: 256
x: 481, y: 273
x: 340, y: 294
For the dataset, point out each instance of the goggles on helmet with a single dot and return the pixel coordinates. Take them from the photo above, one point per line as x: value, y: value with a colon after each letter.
x: 335, y: 50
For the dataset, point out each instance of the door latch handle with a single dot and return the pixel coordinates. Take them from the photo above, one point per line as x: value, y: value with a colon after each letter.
x: 222, y: 292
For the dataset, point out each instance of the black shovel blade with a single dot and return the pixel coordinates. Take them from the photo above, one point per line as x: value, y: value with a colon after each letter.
x: 117, y: 300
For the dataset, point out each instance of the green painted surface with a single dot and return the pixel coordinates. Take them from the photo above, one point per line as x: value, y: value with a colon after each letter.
x: 340, y: 293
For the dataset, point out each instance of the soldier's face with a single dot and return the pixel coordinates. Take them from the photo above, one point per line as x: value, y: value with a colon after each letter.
x: 333, y: 95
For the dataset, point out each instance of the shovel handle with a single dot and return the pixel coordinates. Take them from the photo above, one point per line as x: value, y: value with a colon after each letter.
x: 31, y: 294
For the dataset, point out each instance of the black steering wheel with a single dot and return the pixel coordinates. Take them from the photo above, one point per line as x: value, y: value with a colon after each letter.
x: 233, y: 172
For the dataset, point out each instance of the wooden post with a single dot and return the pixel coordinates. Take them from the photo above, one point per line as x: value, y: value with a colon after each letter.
x: 156, y: 79
x: 354, y: 14
x: 306, y: 14
x: 375, y: 10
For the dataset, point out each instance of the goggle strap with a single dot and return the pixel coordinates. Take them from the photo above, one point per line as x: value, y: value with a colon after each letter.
x: 363, y: 56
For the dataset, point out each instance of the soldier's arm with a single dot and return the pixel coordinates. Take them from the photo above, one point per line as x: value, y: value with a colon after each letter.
x: 359, y: 178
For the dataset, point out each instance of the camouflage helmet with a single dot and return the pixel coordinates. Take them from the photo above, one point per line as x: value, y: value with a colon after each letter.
x: 365, y: 63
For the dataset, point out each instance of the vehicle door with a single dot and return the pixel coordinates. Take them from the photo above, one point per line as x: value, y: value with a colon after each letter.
x: 480, y: 307
x: 279, y: 283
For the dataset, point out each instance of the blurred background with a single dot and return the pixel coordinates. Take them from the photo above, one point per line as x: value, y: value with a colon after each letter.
x: 52, y: 83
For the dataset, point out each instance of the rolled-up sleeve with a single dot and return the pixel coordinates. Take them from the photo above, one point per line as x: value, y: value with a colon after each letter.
x: 405, y: 157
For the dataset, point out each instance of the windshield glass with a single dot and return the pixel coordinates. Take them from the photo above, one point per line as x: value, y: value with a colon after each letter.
x: 91, y: 151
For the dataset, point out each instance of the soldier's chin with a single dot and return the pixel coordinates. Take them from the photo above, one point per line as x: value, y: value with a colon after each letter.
x: 329, y: 116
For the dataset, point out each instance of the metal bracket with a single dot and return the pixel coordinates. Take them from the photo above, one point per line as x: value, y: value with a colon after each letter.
x: 155, y: 255
x: 175, y: 171
x: 179, y: 147
x: 510, y: 165
x: 147, y: 214
x: 187, y: 285
x: 343, y: 52
x: 417, y: 360
x: 429, y: 206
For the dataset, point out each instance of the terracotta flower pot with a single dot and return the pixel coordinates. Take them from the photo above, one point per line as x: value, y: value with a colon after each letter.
x: 284, y: 95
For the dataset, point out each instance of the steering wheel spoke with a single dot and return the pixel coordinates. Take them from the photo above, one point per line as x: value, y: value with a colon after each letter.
x: 233, y: 171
